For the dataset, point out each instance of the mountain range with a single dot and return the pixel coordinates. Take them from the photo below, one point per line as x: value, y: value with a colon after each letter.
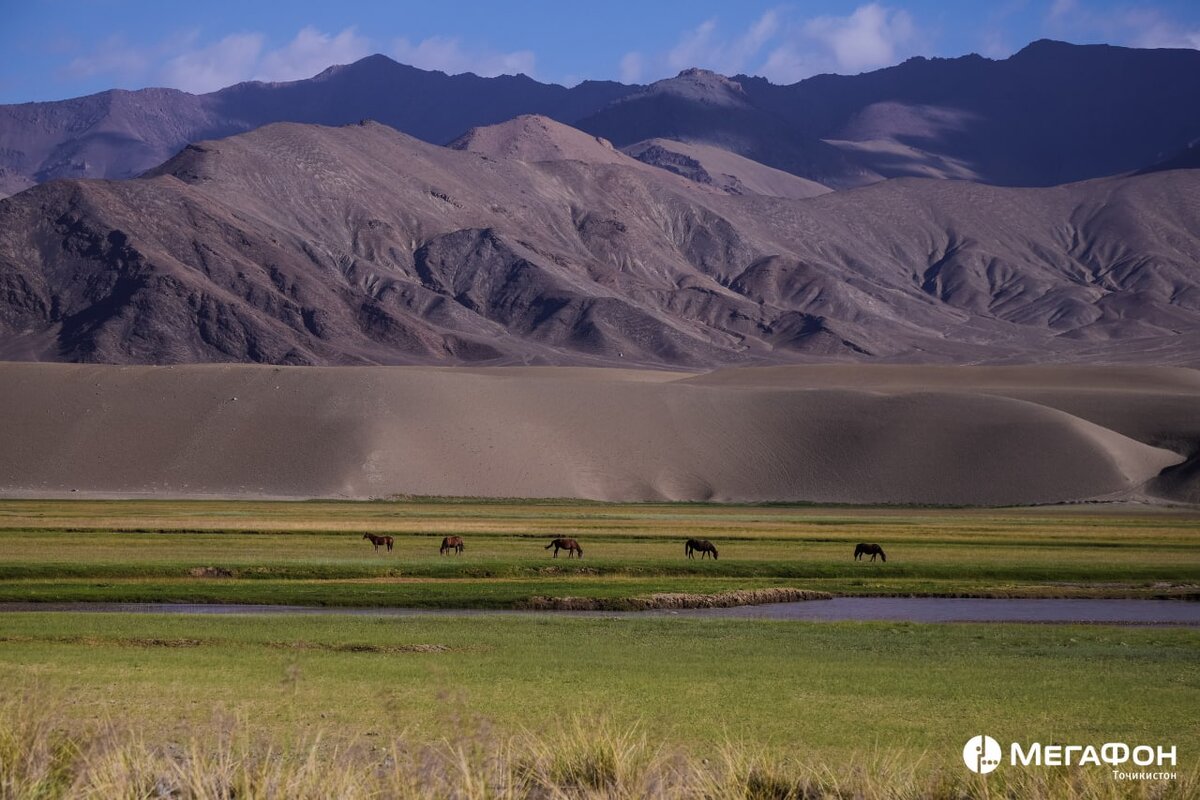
x: 1051, y: 113
x: 534, y: 242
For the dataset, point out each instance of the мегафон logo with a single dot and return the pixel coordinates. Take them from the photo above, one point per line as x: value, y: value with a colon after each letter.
x: 982, y: 754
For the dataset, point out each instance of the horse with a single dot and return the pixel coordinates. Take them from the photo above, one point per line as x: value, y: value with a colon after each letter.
x: 454, y: 543
x: 570, y: 545
x: 871, y: 550
x: 701, y: 546
x: 378, y: 540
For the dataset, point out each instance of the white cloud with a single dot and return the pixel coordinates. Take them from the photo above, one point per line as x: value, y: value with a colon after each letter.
x: 761, y: 32
x: 213, y: 66
x: 695, y: 48
x: 785, y: 47
x: 1060, y: 9
x: 793, y: 61
x: 311, y: 52
x: 868, y: 38
x: 112, y: 56
x: 448, y: 55
x: 183, y: 62
x: 631, y: 68
x: 1149, y: 28
x: 704, y: 46
x: 1136, y: 27
x: 994, y: 44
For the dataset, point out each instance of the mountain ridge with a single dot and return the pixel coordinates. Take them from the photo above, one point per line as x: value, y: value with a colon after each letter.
x: 302, y: 244
x: 1030, y: 119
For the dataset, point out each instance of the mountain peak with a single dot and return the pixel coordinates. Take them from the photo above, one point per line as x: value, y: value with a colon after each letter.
x: 701, y: 85
x: 533, y: 137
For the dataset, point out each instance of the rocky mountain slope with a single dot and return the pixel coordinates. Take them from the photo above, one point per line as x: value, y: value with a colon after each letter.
x: 301, y: 244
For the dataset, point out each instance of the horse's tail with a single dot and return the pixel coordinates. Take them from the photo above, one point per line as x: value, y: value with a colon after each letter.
x: 547, y: 547
x: 687, y: 547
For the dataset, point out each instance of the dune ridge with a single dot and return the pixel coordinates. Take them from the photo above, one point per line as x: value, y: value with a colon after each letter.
x: 976, y: 436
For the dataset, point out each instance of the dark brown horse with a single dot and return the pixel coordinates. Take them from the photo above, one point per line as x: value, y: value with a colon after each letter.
x: 701, y: 546
x: 871, y: 550
x: 454, y: 543
x: 570, y: 545
x: 378, y: 540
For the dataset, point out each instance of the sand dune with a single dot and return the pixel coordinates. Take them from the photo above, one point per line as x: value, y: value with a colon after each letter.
x: 825, y: 434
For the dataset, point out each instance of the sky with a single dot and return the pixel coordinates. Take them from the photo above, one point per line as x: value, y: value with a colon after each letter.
x: 53, y: 49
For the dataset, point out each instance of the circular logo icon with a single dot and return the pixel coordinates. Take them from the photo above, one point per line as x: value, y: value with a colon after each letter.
x: 982, y: 754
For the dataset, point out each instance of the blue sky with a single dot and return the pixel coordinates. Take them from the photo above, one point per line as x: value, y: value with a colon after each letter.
x: 51, y: 49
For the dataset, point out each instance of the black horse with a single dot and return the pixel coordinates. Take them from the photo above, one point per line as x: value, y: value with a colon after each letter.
x: 871, y: 550
x: 701, y: 546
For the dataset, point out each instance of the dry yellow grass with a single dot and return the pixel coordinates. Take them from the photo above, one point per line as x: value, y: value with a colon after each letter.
x: 42, y: 757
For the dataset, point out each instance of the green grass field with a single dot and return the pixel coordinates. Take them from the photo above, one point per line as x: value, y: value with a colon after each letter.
x: 853, y: 709
x: 829, y: 689
x: 313, y: 552
x: 826, y: 694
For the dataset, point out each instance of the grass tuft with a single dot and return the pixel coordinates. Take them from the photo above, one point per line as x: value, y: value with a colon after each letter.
x: 585, y: 759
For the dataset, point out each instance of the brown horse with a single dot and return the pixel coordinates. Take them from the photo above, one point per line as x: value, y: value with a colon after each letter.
x: 701, y: 546
x: 454, y: 543
x: 378, y: 540
x: 570, y: 545
x: 871, y: 550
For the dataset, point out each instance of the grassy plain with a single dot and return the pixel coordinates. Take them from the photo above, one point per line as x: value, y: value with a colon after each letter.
x: 831, y: 693
x: 312, y: 552
x: 711, y: 707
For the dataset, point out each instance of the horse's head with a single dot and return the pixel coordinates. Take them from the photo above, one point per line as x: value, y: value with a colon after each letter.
x: 883, y: 555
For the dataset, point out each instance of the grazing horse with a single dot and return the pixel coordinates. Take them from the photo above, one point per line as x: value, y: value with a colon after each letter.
x: 454, y: 543
x: 701, y: 546
x: 378, y: 540
x: 871, y: 550
x: 570, y: 545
